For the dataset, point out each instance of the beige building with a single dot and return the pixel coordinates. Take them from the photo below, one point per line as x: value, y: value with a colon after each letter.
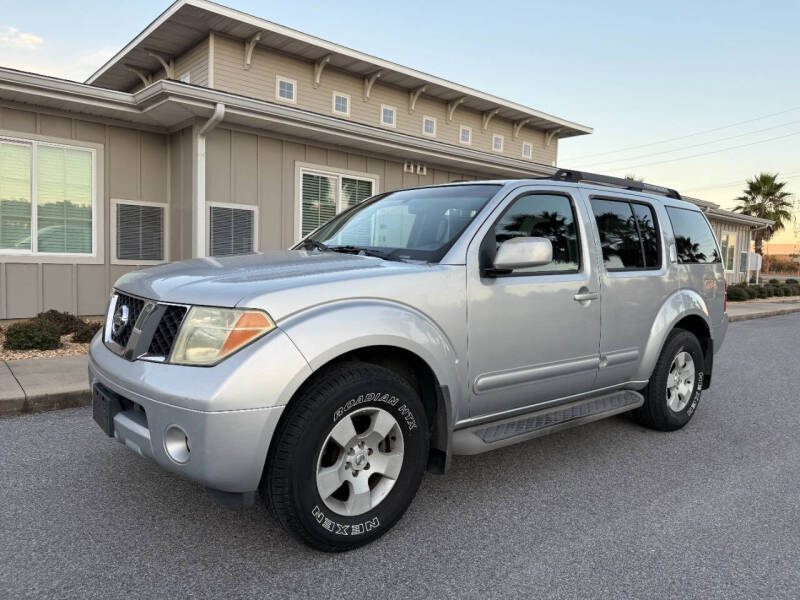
x: 214, y: 132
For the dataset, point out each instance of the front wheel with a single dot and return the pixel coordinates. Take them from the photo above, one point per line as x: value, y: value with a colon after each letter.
x: 675, y: 386
x: 348, y: 457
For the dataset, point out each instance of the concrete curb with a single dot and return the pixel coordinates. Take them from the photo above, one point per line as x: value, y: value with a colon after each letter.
x: 13, y: 407
x: 43, y: 384
x: 762, y: 315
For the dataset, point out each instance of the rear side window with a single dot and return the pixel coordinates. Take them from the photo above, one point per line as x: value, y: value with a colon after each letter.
x: 694, y: 239
x: 628, y: 234
x: 543, y: 215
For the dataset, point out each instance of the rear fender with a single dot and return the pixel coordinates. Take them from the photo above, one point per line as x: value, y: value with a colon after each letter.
x: 678, y: 306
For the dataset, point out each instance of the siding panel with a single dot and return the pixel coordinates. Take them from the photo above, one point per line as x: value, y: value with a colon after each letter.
x: 259, y: 82
x: 57, y: 287
x: 21, y: 289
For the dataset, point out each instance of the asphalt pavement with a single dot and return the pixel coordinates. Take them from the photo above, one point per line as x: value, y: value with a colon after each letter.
x: 608, y: 510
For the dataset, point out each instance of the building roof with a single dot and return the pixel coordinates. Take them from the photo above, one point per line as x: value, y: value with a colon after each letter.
x: 713, y: 210
x: 187, y: 22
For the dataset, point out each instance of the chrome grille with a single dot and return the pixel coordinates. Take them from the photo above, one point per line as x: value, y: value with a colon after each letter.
x: 167, y: 331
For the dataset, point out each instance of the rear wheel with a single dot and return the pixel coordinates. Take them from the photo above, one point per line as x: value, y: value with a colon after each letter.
x: 348, y: 457
x: 675, y: 386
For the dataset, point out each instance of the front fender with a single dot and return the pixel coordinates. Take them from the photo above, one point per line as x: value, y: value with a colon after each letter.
x: 325, y: 332
x: 679, y: 305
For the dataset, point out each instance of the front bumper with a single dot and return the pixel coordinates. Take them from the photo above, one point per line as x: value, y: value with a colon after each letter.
x: 229, y: 414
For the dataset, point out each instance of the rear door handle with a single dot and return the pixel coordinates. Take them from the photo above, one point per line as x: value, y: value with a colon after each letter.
x: 586, y: 296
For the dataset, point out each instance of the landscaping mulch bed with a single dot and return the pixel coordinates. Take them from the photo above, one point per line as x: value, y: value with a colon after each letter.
x: 68, y: 348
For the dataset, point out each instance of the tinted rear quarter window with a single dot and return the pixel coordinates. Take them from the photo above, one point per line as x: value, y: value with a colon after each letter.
x: 694, y: 239
x: 618, y: 235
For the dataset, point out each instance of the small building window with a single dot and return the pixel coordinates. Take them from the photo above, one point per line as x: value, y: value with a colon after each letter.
x: 429, y: 126
x: 527, y: 150
x: 497, y: 143
x: 728, y: 245
x: 388, y: 116
x: 341, y: 104
x: 140, y: 231
x: 465, y: 135
x: 232, y: 230
x: 286, y: 89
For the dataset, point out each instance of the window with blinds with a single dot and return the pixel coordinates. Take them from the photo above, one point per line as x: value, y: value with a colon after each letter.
x: 140, y: 232
x: 59, y: 182
x: 324, y: 196
x: 319, y: 201
x: 15, y: 196
x: 232, y: 231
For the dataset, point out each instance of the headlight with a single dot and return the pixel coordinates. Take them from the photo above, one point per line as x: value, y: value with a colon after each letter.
x: 208, y: 335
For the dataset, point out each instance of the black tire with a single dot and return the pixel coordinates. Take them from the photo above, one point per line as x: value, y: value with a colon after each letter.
x: 655, y: 412
x: 289, y: 484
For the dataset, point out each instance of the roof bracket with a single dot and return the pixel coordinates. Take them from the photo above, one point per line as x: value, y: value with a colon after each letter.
x: 548, y: 137
x: 487, y: 117
x: 319, y: 67
x: 166, y: 61
x: 452, y: 105
x: 146, y: 78
x: 369, y: 81
x: 249, y: 48
x: 518, y: 125
x: 413, y: 96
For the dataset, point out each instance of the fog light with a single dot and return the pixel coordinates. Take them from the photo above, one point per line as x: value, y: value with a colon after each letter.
x: 176, y: 443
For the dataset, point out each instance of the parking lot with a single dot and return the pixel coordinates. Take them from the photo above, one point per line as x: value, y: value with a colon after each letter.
x: 609, y: 510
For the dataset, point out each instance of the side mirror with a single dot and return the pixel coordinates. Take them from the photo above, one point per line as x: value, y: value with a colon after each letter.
x: 522, y: 252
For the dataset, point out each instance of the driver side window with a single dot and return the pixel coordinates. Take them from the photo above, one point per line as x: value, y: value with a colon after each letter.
x: 548, y: 216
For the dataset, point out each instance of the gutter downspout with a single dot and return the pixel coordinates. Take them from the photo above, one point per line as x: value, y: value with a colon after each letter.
x: 199, y: 212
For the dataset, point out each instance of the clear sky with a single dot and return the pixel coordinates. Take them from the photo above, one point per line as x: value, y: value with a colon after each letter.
x: 638, y: 72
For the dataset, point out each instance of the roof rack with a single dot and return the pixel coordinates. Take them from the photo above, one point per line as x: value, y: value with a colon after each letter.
x: 628, y: 184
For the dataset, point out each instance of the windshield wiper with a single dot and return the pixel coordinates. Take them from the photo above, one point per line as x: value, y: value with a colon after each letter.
x: 366, y: 252
x: 310, y: 244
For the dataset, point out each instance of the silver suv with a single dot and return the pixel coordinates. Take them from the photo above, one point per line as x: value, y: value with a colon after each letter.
x: 419, y: 324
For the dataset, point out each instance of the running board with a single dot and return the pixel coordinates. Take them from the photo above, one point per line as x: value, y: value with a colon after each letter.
x: 488, y: 436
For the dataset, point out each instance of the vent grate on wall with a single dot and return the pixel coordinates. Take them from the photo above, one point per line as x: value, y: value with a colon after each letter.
x: 232, y: 231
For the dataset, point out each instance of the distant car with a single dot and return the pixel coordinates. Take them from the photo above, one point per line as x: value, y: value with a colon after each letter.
x: 422, y: 323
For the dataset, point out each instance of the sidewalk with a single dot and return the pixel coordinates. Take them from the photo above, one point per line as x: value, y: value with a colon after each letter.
x: 40, y: 384
x: 758, y: 309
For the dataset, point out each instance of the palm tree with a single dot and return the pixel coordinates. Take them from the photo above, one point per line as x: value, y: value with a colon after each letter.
x: 765, y: 197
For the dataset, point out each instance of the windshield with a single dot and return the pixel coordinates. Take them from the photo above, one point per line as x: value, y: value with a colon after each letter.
x: 417, y: 224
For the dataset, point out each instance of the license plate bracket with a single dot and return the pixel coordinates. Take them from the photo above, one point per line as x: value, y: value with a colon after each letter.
x: 104, y: 407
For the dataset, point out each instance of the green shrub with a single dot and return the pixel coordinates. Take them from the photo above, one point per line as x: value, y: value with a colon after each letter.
x: 63, y: 321
x: 774, y: 281
x: 751, y: 291
x: 772, y: 290
x: 85, y: 332
x: 737, y: 294
x: 791, y: 281
x: 761, y: 291
x: 32, y: 335
x: 794, y: 289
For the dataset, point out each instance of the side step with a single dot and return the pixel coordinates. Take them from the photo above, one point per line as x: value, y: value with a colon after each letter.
x: 488, y: 436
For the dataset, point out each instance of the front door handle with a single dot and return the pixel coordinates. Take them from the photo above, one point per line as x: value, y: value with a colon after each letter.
x: 586, y: 296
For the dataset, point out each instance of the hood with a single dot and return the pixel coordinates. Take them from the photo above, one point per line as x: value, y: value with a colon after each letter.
x: 227, y: 281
